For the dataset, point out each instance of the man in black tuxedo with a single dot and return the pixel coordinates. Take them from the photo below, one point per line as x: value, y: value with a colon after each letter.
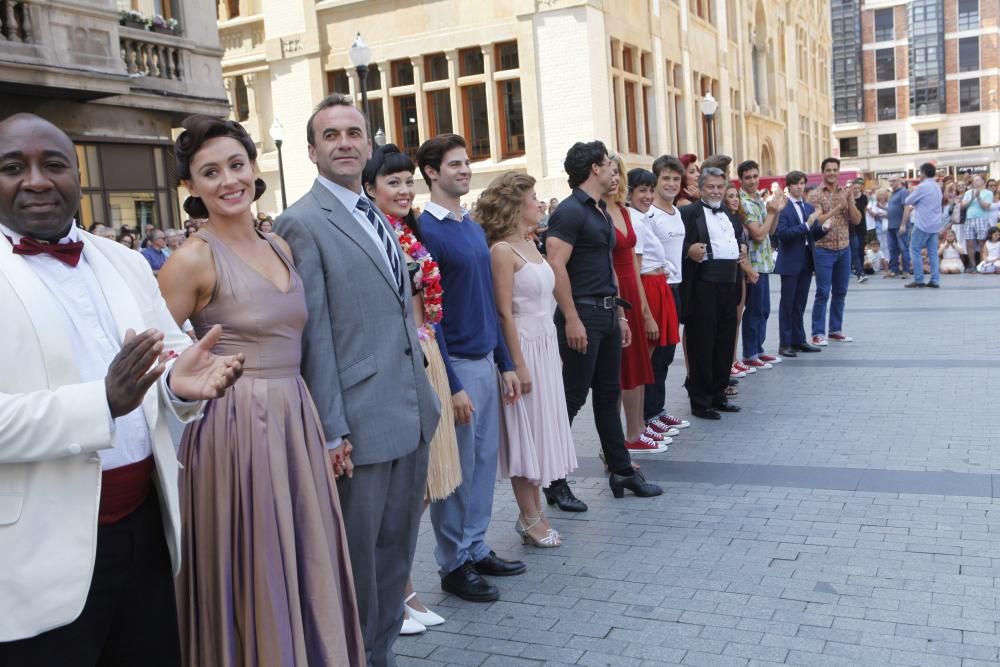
x: 710, y: 296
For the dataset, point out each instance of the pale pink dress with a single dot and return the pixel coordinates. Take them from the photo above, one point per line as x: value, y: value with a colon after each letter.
x: 536, y: 441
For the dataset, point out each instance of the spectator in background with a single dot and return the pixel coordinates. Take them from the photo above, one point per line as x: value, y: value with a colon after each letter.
x: 190, y: 227
x: 876, y: 216
x: 899, y: 251
x: 875, y: 261
x: 154, y: 251
x: 127, y: 240
x: 923, y: 205
x: 174, y: 238
x: 976, y: 204
x: 950, y: 253
x: 147, y: 239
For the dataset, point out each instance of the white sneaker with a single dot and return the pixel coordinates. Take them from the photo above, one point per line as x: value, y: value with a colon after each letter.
x: 412, y: 626
x: 819, y: 340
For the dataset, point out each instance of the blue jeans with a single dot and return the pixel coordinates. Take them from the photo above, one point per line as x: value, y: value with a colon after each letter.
x: 899, y: 247
x: 857, y: 261
x: 833, y: 273
x: 918, y: 242
x: 758, y: 309
x: 460, y: 520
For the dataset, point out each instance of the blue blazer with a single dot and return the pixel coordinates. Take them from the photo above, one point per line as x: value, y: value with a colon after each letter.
x: 795, y: 242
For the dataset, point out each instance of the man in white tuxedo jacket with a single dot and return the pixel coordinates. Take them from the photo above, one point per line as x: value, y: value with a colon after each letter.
x: 88, y: 473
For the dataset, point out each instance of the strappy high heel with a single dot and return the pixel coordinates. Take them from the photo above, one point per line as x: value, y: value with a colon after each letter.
x: 550, y: 541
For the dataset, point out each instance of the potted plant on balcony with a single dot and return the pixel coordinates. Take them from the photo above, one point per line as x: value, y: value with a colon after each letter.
x: 132, y: 19
x: 164, y: 26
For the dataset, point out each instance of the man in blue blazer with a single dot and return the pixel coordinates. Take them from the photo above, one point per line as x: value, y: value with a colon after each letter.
x: 797, y: 229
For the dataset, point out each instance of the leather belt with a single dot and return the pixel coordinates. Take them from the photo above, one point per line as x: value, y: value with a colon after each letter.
x: 605, y: 302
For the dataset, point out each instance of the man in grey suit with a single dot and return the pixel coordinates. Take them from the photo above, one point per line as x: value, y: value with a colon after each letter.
x: 362, y: 361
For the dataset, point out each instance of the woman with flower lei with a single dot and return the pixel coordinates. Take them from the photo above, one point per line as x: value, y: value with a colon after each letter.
x: 388, y: 181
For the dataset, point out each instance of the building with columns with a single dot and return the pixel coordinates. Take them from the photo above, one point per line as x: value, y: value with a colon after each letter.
x: 916, y: 80
x: 524, y: 79
x: 119, y: 88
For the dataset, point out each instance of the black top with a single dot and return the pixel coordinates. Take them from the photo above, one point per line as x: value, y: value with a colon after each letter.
x: 586, y: 225
x: 861, y: 229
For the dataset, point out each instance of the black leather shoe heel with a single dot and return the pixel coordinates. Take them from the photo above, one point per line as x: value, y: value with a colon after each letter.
x: 635, y: 483
x: 560, y: 494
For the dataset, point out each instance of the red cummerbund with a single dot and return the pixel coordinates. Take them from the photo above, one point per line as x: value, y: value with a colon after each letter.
x: 124, y: 489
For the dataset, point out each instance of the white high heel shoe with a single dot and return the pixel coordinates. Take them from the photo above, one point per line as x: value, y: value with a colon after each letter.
x: 411, y: 626
x: 428, y: 618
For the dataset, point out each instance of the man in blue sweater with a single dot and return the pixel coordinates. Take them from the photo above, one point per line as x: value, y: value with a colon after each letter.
x: 475, y: 345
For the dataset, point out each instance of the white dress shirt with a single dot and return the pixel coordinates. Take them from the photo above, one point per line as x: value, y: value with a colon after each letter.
x: 647, y: 246
x: 669, y: 230
x: 350, y: 201
x: 94, y: 337
x: 721, y: 235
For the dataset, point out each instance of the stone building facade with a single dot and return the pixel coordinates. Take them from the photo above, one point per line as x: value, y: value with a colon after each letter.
x: 523, y: 79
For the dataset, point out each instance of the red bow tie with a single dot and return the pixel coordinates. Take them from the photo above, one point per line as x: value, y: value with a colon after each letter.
x: 67, y: 253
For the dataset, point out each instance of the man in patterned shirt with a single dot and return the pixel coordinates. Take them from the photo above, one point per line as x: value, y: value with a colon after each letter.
x: 837, y: 213
x: 761, y: 222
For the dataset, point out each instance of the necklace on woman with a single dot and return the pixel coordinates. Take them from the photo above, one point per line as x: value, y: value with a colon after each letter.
x: 429, y: 277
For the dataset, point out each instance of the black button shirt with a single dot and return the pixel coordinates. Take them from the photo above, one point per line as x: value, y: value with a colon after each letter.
x: 586, y: 225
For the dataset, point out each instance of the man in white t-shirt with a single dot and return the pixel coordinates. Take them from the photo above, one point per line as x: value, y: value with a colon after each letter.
x: 663, y: 222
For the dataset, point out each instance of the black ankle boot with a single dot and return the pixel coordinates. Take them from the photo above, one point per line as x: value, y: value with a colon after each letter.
x: 635, y: 483
x: 559, y: 493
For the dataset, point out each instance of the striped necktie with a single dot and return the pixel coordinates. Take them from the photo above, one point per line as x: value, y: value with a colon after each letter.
x: 365, y: 207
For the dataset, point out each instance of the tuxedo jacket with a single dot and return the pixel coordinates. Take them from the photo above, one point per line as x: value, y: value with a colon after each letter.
x: 795, y: 244
x: 52, y: 426
x: 696, y: 231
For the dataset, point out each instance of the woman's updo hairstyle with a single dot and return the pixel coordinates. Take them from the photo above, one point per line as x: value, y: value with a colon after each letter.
x: 197, y: 130
x: 386, y: 160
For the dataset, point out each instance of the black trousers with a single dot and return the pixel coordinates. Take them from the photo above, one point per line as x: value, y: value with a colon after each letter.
x: 599, y: 369
x: 130, y: 617
x: 655, y: 396
x: 710, y: 331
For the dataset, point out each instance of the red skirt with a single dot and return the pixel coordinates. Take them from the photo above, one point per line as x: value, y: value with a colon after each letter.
x: 661, y: 304
x: 637, y: 369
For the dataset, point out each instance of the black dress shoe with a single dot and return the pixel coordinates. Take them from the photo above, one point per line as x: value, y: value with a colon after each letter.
x: 787, y: 352
x: 559, y: 493
x: 733, y: 382
x: 635, y: 483
x: 706, y: 413
x: 728, y: 407
x: 913, y: 283
x: 807, y: 347
x: 495, y: 566
x: 466, y: 583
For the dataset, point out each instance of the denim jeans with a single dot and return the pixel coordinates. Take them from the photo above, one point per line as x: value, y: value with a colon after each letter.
x: 758, y: 309
x: 899, y: 248
x: 918, y: 241
x: 833, y: 274
x: 599, y: 368
x: 857, y: 254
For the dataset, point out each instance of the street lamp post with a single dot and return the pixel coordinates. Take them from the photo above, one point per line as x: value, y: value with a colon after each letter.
x: 360, y: 56
x: 708, y: 108
x: 278, y: 137
x: 380, y: 137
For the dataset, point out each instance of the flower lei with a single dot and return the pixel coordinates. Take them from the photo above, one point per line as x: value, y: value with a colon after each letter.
x: 429, y: 276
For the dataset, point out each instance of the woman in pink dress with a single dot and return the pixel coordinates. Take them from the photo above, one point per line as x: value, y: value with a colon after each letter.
x: 538, y: 445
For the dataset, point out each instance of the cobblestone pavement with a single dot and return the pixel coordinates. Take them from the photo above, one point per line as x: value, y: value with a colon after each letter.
x: 848, y: 516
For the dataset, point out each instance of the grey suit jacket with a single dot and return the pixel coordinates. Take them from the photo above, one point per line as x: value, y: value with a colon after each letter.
x: 360, y: 353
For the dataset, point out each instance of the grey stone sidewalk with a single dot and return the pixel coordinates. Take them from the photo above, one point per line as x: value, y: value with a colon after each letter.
x: 816, y: 527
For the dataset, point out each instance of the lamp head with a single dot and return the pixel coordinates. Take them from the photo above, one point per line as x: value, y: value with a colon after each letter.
x: 277, y: 132
x: 709, y: 105
x: 360, y: 54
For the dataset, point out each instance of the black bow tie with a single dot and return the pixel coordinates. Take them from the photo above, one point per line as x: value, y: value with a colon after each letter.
x: 714, y: 209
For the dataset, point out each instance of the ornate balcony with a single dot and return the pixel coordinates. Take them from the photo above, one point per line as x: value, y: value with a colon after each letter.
x: 73, y: 50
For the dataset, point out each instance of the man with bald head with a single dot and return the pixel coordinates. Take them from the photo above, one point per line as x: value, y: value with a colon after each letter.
x: 88, y: 474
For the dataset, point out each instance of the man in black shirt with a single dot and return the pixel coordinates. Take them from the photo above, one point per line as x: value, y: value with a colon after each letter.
x: 591, y: 325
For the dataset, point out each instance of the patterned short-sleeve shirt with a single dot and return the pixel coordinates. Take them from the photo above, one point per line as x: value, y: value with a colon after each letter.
x: 760, y: 253
x: 824, y: 200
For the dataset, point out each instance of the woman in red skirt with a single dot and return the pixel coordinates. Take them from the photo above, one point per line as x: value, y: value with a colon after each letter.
x: 637, y: 371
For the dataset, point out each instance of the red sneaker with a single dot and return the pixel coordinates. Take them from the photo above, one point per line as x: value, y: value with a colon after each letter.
x: 735, y: 372
x: 819, y: 340
x: 769, y: 359
x: 644, y: 444
x: 840, y: 337
x: 656, y: 434
x: 757, y: 363
x: 742, y: 365
x: 670, y: 420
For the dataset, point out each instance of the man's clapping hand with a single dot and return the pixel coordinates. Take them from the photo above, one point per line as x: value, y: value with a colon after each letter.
x: 133, y: 371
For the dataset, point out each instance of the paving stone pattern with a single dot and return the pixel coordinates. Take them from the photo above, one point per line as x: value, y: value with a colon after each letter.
x: 814, y: 528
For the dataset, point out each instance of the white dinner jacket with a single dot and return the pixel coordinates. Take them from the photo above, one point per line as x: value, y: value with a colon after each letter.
x: 52, y: 426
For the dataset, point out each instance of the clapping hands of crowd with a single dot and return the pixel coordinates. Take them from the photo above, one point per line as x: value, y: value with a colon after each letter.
x: 777, y: 203
x: 197, y: 374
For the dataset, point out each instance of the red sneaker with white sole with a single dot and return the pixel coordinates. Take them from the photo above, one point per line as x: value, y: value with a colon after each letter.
x: 648, y: 445
x: 735, y: 372
x: 819, y: 340
x: 769, y: 359
x: 670, y: 420
x: 840, y: 337
x: 756, y: 363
